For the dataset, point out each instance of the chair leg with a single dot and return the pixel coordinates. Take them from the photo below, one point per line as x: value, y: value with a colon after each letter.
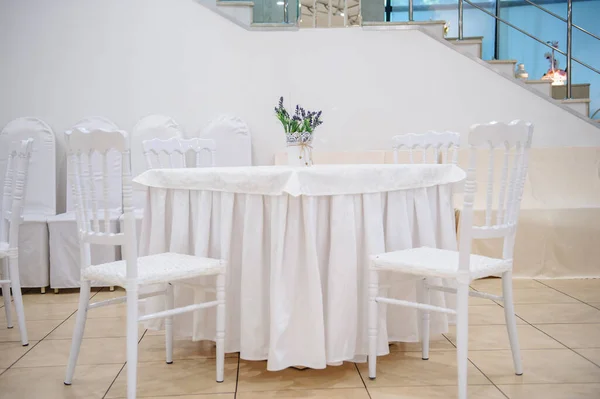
x: 373, y: 320
x: 511, y: 321
x: 423, y: 297
x: 84, y: 301
x: 221, y: 309
x: 15, y: 282
x: 132, y: 339
x: 169, y: 302
x: 6, y: 293
x: 462, y: 337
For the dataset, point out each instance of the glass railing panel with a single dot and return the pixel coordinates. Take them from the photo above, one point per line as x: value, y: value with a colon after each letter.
x: 272, y: 11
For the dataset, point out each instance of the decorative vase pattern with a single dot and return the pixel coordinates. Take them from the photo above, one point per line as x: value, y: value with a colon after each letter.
x: 299, y: 154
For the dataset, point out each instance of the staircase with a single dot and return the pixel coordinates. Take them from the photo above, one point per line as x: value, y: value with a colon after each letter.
x: 344, y: 13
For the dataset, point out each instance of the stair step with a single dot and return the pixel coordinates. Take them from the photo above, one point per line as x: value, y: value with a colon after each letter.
x: 471, y: 45
x: 506, y: 67
x: 578, y: 91
x: 273, y: 26
x: 543, y: 86
x: 581, y: 105
x: 235, y: 3
x: 240, y: 11
x: 436, y: 28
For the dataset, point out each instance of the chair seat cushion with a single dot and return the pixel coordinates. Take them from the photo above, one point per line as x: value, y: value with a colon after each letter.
x: 160, y: 268
x: 433, y: 262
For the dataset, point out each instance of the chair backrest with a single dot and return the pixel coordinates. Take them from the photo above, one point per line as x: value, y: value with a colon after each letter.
x: 232, y: 137
x: 92, y: 203
x: 430, y: 147
x: 172, y: 153
x: 41, y: 181
x: 115, y: 197
x: 502, y: 204
x: 15, y: 190
x: 149, y: 127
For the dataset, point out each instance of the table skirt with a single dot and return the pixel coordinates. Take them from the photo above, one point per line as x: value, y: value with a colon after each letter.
x: 297, y: 278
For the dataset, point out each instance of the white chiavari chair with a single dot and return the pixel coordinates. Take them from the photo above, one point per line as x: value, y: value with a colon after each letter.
x: 40, y: 203
x: 429, y: 147
x: 13, y: 198
x: 133, y: 272
x: 172, y: 153
x: 461, y: 266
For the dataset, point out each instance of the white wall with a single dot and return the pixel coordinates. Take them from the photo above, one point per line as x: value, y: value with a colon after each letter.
x: 66, y: 59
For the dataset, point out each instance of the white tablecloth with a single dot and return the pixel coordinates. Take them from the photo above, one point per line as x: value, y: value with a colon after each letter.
x: 297, y: 242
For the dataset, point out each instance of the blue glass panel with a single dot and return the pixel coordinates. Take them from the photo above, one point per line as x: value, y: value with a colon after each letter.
x: 515, y: 45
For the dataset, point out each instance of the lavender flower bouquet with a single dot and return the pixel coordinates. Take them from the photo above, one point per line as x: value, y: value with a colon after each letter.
x: 300, y: 127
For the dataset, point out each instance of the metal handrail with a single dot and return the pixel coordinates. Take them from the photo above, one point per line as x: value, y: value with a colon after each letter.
x: 561, y: 18
x: 570, y: 26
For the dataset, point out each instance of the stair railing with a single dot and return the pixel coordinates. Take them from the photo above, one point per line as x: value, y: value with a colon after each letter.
x: 568, y: 20
x: 343, y: 10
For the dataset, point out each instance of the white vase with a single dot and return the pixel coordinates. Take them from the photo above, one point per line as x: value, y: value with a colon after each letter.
x: 299, y: 154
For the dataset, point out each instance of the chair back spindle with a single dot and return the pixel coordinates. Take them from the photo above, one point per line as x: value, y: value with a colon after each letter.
x: 93, y: 211
x: 175, y: 151
x: 430, y: 147
x: 15, y: 191
x: 503, y: 196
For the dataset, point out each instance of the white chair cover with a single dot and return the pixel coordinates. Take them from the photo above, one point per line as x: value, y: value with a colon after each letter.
x: 234, y: 143
x: 40, y: 202
x: 64, y: 244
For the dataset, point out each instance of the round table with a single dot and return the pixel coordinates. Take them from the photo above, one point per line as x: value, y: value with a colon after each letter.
x: 297, y: 242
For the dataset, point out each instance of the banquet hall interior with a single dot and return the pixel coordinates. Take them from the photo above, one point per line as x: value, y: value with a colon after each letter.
x: 253, y: 199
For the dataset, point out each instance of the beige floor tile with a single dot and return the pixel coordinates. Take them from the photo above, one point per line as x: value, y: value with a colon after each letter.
x: 440, y: 392
x: 552, y: 391
x: 496, y: 337
x: 66, y: 296
x: 253, y: 376
x: 436, y: 344
x: 118, y: 310
x: 590, y: 354
x: 585, y: 290
x: 574, y: 335
x: 185, y: 377
x: 36, y: 329
x: 408, y: 369
x: 152, y: 349
x: 558, y: 313
x: 93, y: 351
x: 488, y: 314
x: 594, y: 304
x: 206, y: 396
x: 356, y: 393
x: 540, y: 295
x: 47, y: 311
x: 494, y: 285
x: 90, y: 382
x: 107, y: 327
x: 10, y: 352
x: 105, y: 293
x: 540, y: 366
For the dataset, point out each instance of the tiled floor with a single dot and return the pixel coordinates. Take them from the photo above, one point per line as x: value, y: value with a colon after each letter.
x: 559, y: 331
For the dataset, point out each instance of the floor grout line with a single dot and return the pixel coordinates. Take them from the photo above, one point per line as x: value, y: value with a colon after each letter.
x: 237, y: 375
x: 564, y: 293
x: 122, y: 367
x: 362, y: 379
